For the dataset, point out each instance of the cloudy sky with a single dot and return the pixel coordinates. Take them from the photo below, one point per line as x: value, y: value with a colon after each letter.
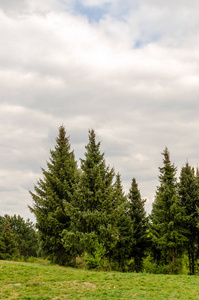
x: 127, y: 68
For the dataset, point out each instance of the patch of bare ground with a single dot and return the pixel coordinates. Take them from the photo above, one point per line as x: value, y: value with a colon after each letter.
x: 84, y: 285
x: 13, y: 284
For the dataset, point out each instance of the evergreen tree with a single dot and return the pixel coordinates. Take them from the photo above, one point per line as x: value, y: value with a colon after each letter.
x: 167, y: 230
x: 2, y: 222
x: 56, y: 187
x: 121, y: 253
x: 139, y: 224
x: 189, y: 194
x: 8, y: 244
x: 25, y: 235
x: 95, y: 210
x: 2, y: 247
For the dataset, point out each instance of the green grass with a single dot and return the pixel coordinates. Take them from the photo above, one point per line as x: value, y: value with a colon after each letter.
x: 41, y: 281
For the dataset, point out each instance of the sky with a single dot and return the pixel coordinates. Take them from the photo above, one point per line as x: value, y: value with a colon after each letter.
x: 128, y: 69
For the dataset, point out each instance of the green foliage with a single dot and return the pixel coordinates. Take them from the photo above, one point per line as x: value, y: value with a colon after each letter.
x: 149, y: 265
x: 189, y: 195
x: 73, y: 246
x: 19, y: 235
x: 25, y: 235
x: 51, y: 192
x: 120, y: 253
x: 95, y: 209
x: 167, y: 231
x: 95, y: 260
x: 132, y: 225
x: 152, y: 267
x: 85, y: 210
x: 8, y: 244
x: 138, y: 218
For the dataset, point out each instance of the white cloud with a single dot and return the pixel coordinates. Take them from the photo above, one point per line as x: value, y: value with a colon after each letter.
x: 96, y: 2
x: 131, y: 76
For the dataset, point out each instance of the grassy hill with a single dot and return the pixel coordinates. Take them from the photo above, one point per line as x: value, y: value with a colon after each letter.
x: 42, y: 281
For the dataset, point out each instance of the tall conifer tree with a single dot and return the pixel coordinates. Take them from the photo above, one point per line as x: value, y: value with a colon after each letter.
x: 95, y: 210
x: 50, y: 193
x: 122, y: 251
x: 139, y: 223
x: 189, y: 194
x: 167, y: 230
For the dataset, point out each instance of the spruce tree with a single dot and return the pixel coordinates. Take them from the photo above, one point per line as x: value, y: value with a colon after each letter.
x: 189, y: 195
x: 8, y: 244
x: 122, y: 251
x: 168, y: 235
x: 95, y: 210
x: 56, y: 187
x: 25, y: 235
x: 2, y: 242
x: 139, y: 224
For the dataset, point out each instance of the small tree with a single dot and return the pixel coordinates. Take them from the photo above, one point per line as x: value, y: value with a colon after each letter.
x: 138, y: 218
x: 51, y: 192
x: 189, y: 195
x: 168, y: 235
x: 25, y: 235
x: 8, y: 244
x: 121, y: 252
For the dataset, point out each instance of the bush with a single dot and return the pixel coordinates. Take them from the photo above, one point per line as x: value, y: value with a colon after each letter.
x: 95, y: 260
x: 149, y: 266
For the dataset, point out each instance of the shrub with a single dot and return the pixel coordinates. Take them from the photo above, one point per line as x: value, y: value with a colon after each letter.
x: 95, y: 260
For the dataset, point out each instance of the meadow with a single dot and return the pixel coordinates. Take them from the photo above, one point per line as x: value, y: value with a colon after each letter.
x: 20, y: 280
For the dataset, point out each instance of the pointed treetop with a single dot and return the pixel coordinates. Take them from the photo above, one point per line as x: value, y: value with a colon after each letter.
x: 92, y: 139
x: 168, y: 171
x: 118, y: 186
x: 62, y: 139
x: 166, y: 155
x: 134, y: 191
x: 134, y: 197
x: 92, y: 135
x: 93, y: 154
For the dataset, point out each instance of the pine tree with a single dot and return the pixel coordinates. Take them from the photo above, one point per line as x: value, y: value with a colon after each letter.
x: 189, y: 194
x: 56, y: 187
x: 168, y: 236
x: 139, y: 224
x: 95, y: 210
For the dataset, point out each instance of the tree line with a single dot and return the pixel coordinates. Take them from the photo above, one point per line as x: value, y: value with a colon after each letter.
x: 83, y: 214
x: 18, y: 238
x: 84, y: 211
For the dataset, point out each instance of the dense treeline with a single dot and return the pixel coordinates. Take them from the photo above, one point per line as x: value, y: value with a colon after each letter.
x: 83, y: 215
x: 84, y: 212
x: 18, y: 238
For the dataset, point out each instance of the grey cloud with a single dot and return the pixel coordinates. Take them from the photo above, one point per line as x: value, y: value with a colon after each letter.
x: 11, y: 6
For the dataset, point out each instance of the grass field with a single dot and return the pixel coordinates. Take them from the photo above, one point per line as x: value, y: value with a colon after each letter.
x: 42, y: 281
